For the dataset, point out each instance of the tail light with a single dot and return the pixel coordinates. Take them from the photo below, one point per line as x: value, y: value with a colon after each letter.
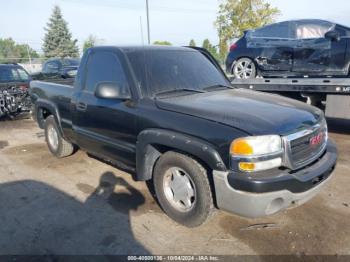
x: 233, y: 47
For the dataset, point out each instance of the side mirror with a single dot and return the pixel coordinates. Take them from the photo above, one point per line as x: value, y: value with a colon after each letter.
x: 72, y: 73
x: 332, y: 35
x: 110, y: 90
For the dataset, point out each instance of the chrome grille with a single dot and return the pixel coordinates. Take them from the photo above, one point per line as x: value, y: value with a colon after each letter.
x: 305, y: 146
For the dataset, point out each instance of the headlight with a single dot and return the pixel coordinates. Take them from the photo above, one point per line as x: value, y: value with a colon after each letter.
x: 256, y: 145
x: 256, y: 153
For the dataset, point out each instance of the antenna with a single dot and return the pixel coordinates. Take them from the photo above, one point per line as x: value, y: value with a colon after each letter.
x: 148, y: 30
x: 141, y: 28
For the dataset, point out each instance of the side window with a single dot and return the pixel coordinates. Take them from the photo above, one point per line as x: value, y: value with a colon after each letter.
x: 104, y: 66
x: 343, y: 31
x: 51, y: 67
x: 8, y: 74
x: 22, y: 74
x: 312, y: 30
x: 279, y: 30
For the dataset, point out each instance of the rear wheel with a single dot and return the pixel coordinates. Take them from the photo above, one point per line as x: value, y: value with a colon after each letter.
x: 244, y: 68
x: 57, y: 145
x: 182, y: 189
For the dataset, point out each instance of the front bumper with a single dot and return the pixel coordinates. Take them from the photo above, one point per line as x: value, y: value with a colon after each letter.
x: 286, y: 190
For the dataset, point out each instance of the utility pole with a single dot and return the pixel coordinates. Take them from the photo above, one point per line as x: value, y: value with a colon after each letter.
x: 148, y: 30
x: 30, y: 59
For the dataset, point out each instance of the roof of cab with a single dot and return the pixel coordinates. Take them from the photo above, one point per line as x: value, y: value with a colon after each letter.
x: 11, y: 65
x: 142, y: 48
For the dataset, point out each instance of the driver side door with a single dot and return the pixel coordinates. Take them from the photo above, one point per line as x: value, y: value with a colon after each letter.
x: 106, y: 127
x: 316, y: 54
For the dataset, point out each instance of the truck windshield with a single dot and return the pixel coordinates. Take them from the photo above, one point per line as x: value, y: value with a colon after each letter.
x: 168, y: 70
x: 70, y: 62
x: 13, y: 74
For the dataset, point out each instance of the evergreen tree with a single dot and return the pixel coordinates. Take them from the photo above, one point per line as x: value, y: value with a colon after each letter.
x: 58, y: 39
x: 212, y: 49
x: 192, y: 43
x: 206, y: 44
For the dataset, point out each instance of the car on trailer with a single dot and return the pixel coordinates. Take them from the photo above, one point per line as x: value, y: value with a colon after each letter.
x: 297, y: 48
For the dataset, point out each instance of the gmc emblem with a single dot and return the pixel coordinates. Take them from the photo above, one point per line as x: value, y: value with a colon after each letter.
x: 316, y: 140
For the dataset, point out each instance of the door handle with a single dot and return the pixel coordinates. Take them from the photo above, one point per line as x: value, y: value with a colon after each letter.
x: 81, y: 106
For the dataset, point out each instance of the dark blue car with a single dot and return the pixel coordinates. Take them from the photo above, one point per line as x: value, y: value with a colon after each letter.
x: 298, y: 48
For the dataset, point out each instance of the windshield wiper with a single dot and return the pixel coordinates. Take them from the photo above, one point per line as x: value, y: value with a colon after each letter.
x: 215, y: 87
x: 179, y: 90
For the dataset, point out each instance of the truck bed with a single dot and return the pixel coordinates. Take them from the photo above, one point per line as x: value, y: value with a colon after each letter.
x: 58, y: 94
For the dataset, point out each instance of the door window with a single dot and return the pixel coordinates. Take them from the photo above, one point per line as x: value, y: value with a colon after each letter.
x: 311, y: 36
x: 312, y: 30
x: 272, y: 36
x: 104, y: 66
x: 51, y: 67
x: 342, y: 30
x: 8, y: 74
x: 23, y: 75
x: 278, y: 30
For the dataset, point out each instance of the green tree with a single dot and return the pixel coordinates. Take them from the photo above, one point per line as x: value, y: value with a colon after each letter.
x: 192, y: 43
x: 211, y: 48
x: 161, y: 43
x: 11, y: 52
x: 206, y: 44
x: 236, y: 16
x: 90, y: 42
x: 58, y: 40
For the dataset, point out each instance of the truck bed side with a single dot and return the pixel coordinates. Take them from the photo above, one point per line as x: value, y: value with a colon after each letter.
x: 52, y: 97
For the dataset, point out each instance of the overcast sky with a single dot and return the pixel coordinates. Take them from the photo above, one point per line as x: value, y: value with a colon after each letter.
x: 118, y: 21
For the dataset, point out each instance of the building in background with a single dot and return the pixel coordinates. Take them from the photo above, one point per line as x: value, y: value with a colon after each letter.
x: 33, y: 66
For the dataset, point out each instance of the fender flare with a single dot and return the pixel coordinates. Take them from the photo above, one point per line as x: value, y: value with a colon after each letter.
x: 147, y: 152
x: 50, y: 106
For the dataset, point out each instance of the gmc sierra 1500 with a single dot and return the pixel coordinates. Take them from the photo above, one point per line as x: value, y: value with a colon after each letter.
x: 171, y: 116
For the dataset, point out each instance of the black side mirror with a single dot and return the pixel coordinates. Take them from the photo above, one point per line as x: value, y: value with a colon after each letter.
x: 110, y: 90
x: 332, y: 35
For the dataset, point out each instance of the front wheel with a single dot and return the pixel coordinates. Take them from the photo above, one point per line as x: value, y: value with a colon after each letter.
x: 244, y: 68
x: 182, y: 189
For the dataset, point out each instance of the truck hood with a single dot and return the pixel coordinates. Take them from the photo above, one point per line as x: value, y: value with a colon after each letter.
x: 254, y: 112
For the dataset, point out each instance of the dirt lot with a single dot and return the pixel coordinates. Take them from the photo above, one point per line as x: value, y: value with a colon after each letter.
x: 78, y: 205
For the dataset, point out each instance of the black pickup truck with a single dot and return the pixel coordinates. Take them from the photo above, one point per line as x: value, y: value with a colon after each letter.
x: 171, y: 116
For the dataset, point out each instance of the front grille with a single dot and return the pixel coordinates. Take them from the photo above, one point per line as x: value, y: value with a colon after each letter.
x: 302, y: 150
x: 307, y: 146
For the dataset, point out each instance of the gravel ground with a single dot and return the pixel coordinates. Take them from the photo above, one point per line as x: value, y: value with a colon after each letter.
x: 78, y: 205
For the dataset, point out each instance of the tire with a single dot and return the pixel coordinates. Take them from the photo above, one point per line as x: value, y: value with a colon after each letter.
x: 244, y: 68
x: 173, y: 167
x: 56, y: 144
